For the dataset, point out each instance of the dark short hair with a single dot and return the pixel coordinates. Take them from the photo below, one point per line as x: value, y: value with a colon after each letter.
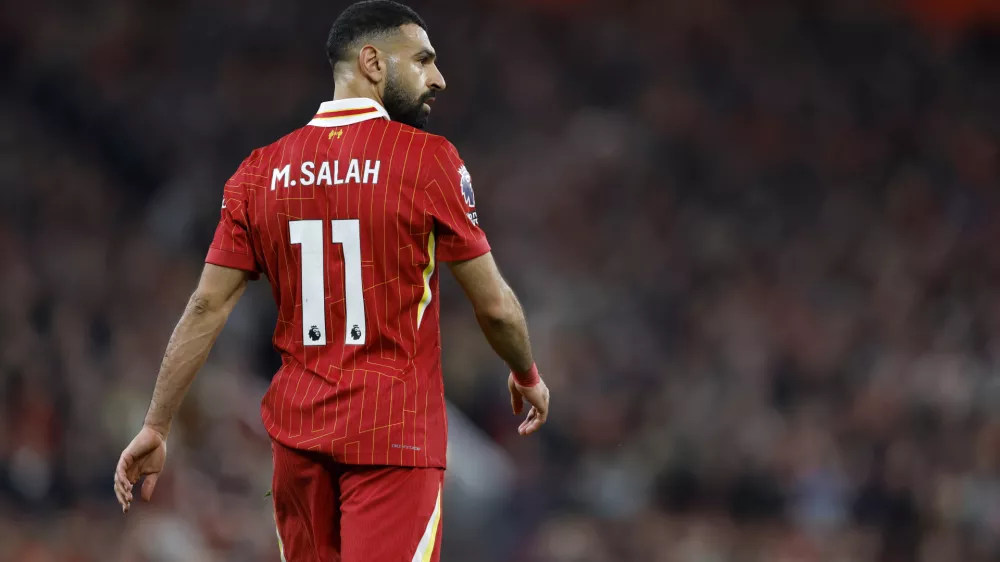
x: 365, y: 20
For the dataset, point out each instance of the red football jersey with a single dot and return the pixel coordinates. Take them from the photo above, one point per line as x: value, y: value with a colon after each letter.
x: 349, y: 218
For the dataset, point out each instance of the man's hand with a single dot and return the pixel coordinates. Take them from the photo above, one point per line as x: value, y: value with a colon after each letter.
x: 536, y: 395
x: 144, y: 456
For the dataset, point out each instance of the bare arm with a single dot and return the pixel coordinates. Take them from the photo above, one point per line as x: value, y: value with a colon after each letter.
x: 502, y: 320
x: 497, y: 309
x: 218, y: 292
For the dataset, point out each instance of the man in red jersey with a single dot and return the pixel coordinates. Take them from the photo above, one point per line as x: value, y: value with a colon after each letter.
x: 349, y: 218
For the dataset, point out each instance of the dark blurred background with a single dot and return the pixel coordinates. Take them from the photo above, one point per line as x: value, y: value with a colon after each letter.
x: 758, y: 243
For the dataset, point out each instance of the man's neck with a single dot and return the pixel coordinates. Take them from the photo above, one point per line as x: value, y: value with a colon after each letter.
x: 348, y: 90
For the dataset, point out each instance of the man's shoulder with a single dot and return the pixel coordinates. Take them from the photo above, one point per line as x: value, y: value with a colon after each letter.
x: 430, y: 143
x: 280, y: 148
x: 255, y: 168
x: 440, y: 143
x: 262, y: 155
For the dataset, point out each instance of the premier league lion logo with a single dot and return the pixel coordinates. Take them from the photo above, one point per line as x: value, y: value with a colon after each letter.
x: 315, y: 334
x: 467, y: 193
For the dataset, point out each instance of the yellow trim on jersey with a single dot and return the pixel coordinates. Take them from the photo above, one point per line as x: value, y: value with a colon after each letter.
x: 426, y: 547
x: 281, y: 544
x: 428, y: 272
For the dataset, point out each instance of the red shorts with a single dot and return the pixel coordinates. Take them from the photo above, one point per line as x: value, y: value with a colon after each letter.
x: 331, y: 512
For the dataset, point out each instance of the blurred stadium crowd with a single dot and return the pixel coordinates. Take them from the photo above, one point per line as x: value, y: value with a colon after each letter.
x: 758, y: 244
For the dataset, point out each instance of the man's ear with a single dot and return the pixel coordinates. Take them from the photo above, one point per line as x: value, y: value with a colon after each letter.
x: 371, y: 63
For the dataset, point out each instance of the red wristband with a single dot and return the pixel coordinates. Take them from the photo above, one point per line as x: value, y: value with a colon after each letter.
x: 527, y: 378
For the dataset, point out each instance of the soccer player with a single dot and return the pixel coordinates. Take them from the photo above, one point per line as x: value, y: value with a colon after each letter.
x: 349, y: 218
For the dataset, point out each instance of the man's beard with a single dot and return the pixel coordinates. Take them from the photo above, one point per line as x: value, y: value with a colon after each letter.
x: 403, y: 108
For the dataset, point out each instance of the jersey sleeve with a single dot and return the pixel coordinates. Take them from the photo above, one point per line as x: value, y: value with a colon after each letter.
x: 452, y: 204
x: 232, y: 245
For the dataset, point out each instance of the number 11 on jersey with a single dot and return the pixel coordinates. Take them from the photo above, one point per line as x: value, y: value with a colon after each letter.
x: 347, y: 233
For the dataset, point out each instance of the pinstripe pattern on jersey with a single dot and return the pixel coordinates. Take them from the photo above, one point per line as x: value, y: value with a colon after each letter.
x: 383, y: 402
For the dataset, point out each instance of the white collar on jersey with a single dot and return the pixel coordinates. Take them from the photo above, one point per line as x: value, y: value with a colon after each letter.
x: 338, y: 113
